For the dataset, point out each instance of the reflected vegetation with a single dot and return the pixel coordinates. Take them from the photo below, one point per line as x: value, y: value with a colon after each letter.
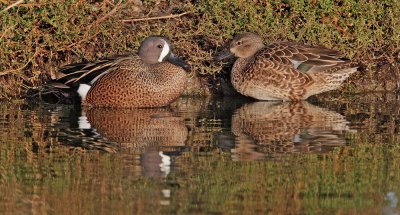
x: 326, y: 156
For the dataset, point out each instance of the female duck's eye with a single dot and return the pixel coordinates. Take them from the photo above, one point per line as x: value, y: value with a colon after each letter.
x: 159, y: 46
x: 239, y: 43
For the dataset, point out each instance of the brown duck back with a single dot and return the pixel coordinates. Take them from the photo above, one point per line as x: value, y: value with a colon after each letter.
x: 135, y: 84
x: 270, y: 74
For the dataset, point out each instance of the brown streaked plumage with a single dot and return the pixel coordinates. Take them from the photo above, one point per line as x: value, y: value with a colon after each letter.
x: 285, y: 70
x: 139, y: 128
x: 153, y: 135
x: 276, y: 128
x: 152, y: 78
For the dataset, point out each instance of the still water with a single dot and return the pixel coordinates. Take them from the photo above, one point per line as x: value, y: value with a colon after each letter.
x: 203, y: 156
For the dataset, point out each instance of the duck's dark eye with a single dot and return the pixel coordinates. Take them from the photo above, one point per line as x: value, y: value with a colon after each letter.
x: 159, y: 46
x: 239, y: 43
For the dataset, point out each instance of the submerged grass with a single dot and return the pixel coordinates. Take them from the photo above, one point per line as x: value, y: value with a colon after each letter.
x: 39, y: 36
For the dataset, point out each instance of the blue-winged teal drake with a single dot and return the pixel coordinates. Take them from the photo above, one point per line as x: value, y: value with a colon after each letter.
x: 284, y: 71
x: 152, y: 78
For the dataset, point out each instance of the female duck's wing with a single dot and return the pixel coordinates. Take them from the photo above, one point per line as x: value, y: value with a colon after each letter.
x: 299, y: 71
x: 302, y: 57
x: 272, y: 68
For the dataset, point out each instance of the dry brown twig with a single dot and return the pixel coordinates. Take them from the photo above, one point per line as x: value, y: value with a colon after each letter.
x: 114, y: 10
x: 156, y: 18
x: 10, y: 71
x: 6, y: 31
x: 12, y: 5
x: 85, y: 36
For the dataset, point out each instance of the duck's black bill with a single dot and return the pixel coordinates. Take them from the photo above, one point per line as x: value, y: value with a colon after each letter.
x: 222, y: 55
x: 179, y: 62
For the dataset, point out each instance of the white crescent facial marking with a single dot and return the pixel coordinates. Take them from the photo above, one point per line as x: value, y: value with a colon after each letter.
x: 83, y: 90
x: 164, y: 52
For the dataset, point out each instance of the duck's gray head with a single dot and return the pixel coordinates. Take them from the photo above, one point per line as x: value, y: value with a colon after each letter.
x: 155, y: 49
x: 243, y: 45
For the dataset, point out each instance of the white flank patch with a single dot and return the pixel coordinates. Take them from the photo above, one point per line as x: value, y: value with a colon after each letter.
x: 83, y: 121
x: 164, y: 52
x: 83, y: 90
x: 166, y: 193
x: 165, y: 165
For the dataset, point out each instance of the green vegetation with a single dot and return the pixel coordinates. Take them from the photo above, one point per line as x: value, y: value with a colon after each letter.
x: 38, y: 37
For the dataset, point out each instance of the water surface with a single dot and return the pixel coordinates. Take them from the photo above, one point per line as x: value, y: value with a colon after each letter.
x: 203, y: 156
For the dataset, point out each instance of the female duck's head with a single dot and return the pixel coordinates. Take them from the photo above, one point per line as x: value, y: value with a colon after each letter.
x: 243, y: 45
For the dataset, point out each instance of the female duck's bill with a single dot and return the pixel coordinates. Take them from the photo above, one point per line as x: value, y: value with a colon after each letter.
x: 224, y: 54
x: 151, y: 78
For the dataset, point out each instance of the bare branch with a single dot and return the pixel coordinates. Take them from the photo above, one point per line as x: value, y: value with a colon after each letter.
x: 12, y: 5
x: 155, y: 18
x: 86, y: 36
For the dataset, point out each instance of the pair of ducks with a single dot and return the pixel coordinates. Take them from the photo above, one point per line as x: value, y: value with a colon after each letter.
x: 155, y: 76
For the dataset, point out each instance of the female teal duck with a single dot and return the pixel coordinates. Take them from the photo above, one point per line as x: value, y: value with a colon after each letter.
x: 152, y: 78
x: 284, y: 71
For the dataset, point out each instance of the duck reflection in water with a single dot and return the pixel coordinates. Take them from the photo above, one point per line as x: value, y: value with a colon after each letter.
x: 156, y: 134
x: 271, y: 129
